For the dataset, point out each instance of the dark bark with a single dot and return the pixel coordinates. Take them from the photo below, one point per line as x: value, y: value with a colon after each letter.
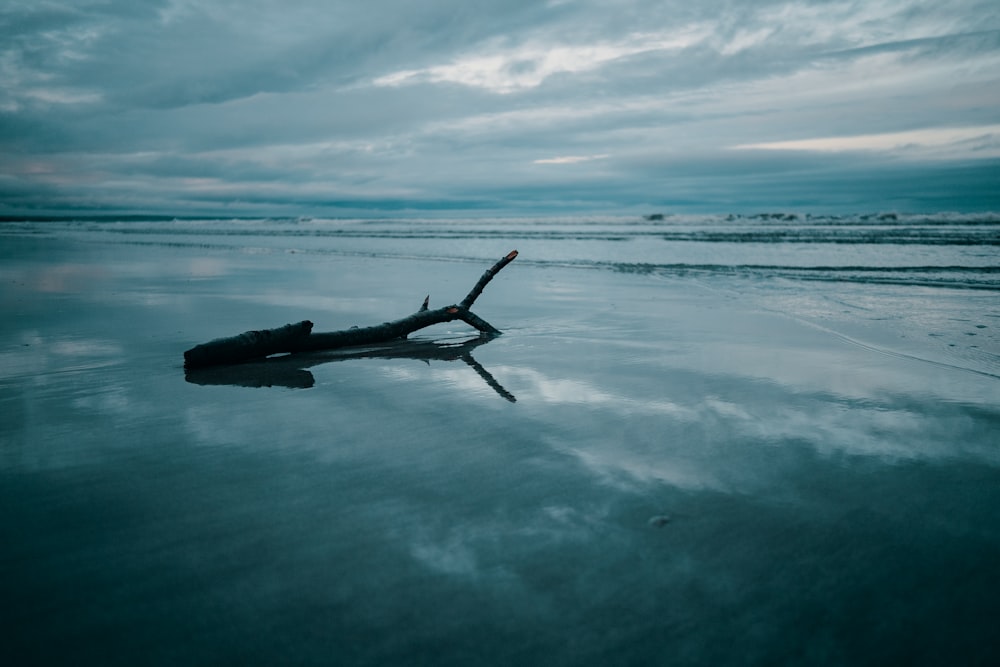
x: 298, y: 337
x: 249, y: 345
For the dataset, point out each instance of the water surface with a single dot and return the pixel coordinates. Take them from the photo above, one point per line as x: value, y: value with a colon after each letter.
x: 699, y: 465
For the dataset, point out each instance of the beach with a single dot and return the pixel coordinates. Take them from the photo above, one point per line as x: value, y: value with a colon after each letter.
x: 678, y: 452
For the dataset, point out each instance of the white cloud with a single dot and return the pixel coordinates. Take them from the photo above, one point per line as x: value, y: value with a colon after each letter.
x: 571, y: 159
x: 746, y: 39
x: 962, y: 140
x: 507, y: 70
x: 57, y: 96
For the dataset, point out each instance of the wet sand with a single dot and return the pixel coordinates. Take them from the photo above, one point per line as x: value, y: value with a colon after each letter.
x: 639, y: 471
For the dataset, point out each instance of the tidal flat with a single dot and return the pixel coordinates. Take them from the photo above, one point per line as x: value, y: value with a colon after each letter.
x: 645, y: 468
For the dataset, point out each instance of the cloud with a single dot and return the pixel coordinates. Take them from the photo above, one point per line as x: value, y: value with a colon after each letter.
x: 984, y: 140
x: 570, y: 159
x: 528, y: 66
x: 264, y: 107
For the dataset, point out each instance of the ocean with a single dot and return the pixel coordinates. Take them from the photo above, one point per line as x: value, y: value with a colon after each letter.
x: 701, y: 440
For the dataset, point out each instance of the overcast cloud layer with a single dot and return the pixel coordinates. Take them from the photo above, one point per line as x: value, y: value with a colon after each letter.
x: 319, y: 107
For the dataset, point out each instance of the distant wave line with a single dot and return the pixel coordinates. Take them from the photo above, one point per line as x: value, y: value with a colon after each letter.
x: 641, y: 267
x: 975, y: 277
x: 888, y: 236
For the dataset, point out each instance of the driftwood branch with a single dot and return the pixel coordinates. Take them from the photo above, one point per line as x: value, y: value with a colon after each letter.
x: 300, y: 338
x: 249, y: 345
x: 485, y: 279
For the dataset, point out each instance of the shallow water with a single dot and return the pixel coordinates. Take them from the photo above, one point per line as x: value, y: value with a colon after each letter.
x: 648, y: 467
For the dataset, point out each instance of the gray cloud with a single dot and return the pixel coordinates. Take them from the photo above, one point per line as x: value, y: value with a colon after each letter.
x: 271, y: 108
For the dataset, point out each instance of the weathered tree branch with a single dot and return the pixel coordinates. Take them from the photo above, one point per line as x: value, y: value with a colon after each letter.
x: 485, y: 279
x: 249, y: 345
x: 299, y: 337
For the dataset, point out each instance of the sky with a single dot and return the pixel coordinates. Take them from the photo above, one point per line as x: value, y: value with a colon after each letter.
x: 398, y: 107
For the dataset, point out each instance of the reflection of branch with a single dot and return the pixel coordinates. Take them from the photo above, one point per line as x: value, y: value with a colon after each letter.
x: 274, y: 372
x: 291, y: 370
x: 489, y: 379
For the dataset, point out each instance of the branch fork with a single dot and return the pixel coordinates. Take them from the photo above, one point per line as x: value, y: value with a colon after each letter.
x: 299, y: 337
